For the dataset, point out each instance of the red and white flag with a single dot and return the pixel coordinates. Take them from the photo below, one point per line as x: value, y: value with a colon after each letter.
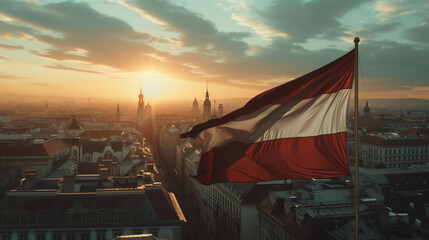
x: 295, y: 130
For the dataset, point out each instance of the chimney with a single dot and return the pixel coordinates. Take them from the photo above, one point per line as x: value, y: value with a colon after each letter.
x: 30, y: 178
x: 104, y: 173
x: 68, y: 184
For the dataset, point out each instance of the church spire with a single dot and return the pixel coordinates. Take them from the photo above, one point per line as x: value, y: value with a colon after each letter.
x: 141, y: 95
x: 207, y: 90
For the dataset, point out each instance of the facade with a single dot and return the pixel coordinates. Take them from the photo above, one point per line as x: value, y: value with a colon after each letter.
x: 393, y: 151
x: 74, y: 128
x: 91, y: 206
x: 19, y: 155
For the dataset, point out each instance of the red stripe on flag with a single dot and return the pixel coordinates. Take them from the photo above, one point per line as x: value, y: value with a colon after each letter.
x: 291, y: 158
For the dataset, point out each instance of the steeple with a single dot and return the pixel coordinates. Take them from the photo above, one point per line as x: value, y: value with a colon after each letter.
x: 118, y: 114
x: 141, y: 95
x: 207, y: 90
x: 207, y: 108
x: 366, y: 111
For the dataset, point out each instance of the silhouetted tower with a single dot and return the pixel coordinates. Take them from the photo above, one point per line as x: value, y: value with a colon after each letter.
x: 195, y: 106
x: 366, y: 111
x: 118, y: 114
x: 140, y: 110
x: 220, y: 110
x: 207, y: 105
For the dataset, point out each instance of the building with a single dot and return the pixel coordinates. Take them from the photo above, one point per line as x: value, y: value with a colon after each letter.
x: 144, y: 118
x: 393, y: 151
x: 366, y: 111
x: 207, y: 107
x: 118, y: 114
x: 39, y: 154
x: 90, y: 206
x: 74, y: 128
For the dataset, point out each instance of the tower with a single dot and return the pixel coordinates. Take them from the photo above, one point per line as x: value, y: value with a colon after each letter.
x: 140, y: 110
x: 195, y: 106
x: 207, y: 105
x: 220, y: 110
x: 118, y: 114
x: 366, y: 111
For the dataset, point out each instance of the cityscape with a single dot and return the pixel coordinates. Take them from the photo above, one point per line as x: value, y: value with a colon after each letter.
x: 106, y: 109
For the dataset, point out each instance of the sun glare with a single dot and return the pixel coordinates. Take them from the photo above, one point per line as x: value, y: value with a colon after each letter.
x: 152, y: 84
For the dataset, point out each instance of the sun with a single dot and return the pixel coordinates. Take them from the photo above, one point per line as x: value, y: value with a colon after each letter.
x: 152, y: 84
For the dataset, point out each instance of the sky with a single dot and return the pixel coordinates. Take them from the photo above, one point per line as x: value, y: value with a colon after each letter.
x: 172, y: 49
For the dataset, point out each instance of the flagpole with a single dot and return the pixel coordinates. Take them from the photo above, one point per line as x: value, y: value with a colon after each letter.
x: 355, y: 72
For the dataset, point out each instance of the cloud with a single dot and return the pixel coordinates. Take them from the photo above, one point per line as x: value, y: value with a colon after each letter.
x: 372, y: 30
x: 9, y: 29
x: 420, y: 33
x: 61, y: 67
x: 10, y: 47
x: 390, y: 9
x: 386, y: 9
x: 258, y: 26
x: 77, y: 32
x: 10, y: 77
x: 303, y: 20
x: 194, y: 29
x: 393, y: 65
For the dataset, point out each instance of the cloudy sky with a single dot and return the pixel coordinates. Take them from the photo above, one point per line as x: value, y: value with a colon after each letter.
x: 108, y: 48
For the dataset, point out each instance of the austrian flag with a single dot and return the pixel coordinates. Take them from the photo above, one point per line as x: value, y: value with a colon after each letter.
x: 295, y: 130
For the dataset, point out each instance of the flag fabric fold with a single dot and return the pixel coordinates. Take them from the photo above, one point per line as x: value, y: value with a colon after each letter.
x: 295, y: 130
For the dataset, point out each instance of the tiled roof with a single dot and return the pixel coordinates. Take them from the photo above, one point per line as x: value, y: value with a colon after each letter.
x: 375, y: 140
x: 47, y: 148
x: 162, y: 204
x: 74, y: 124
x: 98, y: 146
x: 100, y: 134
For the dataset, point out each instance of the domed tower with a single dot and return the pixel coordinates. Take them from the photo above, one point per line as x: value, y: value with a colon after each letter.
x: 207, y: 105
x: 140, y: 110
x: 366, y: 111
x: 195, y: 106
x: 220, y: 110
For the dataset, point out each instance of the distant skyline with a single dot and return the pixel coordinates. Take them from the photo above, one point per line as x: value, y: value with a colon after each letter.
x: 108, y: 49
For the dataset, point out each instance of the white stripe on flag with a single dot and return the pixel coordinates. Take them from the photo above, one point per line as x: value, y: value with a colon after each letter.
x: 324, y: 114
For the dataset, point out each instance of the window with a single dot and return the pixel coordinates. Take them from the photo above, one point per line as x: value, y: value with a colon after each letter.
x: 85, y: 236
x: 85, y: 218
x: 101, y: 235
x: 40, y: 235
x: 18, y: 173
x: 70, y: 236
x: 6, y: 235
x: 22, y: 235
x: 117, y: 232
x: 57, y: 236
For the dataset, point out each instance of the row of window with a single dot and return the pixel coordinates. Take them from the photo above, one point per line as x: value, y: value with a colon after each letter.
x: 394, y: 151
x: 68, y: 218
x: 74, y: 235
x: 394, y: 158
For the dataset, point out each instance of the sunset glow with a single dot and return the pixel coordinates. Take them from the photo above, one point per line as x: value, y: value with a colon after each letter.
x: 108, y: 49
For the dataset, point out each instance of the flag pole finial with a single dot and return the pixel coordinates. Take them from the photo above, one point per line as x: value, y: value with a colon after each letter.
x: 356, y: 40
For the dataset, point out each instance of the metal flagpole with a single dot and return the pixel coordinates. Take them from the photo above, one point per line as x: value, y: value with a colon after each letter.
x: 355, y: 72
